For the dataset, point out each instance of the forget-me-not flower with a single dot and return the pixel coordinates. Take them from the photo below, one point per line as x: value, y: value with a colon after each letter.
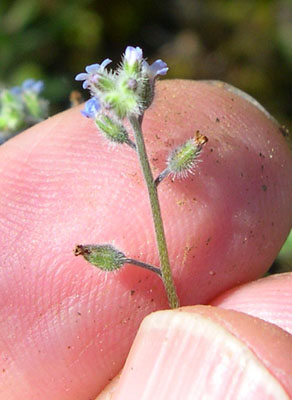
x: 92, y: 74
x: 91, y: 108
x: 127, y: 91
x: 159, y: 67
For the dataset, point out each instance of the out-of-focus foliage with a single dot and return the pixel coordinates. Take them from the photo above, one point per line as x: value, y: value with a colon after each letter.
x: 21, y: 107
x: 283, y: 262
x: 247, y: 43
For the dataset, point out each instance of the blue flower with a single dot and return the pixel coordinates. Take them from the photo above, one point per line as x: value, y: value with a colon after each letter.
x: 159, y: 67
x: 32, y: 85
x: 16, y: 90
x: 29, y: 85
x: 92, y: 73
x: 133, y: 55
x: 91, y: 108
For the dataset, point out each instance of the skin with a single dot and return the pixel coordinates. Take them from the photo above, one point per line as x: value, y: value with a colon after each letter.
x: 207, y: 352
x: 269, y: 298
x: 66, y: 327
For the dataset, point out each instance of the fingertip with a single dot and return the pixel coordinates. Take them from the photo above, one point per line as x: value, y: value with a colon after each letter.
x: 269, y: 298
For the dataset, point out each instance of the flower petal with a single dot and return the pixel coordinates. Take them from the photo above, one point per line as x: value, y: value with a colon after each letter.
x: 91, y: 108
x: 81, y: 77
x: 85, y: 84
x: 92, y: 69
x: 133, y: 55
x: 105, y: 63
x: 159, y: 67
x: 32, y: 85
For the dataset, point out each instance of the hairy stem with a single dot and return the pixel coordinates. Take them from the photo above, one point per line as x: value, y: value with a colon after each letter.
x: 156, y: 213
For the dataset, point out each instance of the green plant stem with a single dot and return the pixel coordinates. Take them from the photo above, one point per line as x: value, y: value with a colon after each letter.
x: 156, y: 213
x: 164, y: 174
x: 131, y: 144
x: 144, y: 265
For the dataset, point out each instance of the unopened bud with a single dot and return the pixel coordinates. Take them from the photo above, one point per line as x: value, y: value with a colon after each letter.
x: 132, y: 84
x: 132, y: 59
x: 106, y: 257
x: 112, y: 130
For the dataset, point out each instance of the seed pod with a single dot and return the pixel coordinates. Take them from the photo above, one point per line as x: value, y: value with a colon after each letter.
x: 183, y: 159
x: 104, y: 256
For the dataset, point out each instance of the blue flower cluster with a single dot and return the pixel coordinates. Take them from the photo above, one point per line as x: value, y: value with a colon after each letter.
x: 21, y: 107
x: 29, y: 85
x: 127, y: 91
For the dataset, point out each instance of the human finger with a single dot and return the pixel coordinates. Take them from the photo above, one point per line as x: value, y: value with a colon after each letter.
x: 66, y: 327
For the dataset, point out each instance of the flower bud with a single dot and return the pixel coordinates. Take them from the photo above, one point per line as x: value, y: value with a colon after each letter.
x: 182, y: 160
x: 112, y: 130
x: 132, y: 84
x: 132, y: 59
x: 105, y: 256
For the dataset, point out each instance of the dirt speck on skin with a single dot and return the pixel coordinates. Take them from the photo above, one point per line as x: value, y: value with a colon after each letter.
x: 187, y: 250
x: 284, y: 130
x: 208, y: 241
x: 180, y: 202
x: 168, y: 143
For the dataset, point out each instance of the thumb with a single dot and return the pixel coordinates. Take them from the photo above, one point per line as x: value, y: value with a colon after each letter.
x: 205, y: 352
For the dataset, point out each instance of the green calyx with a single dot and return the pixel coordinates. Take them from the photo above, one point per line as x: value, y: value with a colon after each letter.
x: 106, y: 257
x: 106, y: 82
x: 134, y: 68
x: 112, y: 130
x: 125, y: 99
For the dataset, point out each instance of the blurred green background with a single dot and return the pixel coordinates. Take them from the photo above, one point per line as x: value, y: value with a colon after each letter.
x: 247, y: 43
